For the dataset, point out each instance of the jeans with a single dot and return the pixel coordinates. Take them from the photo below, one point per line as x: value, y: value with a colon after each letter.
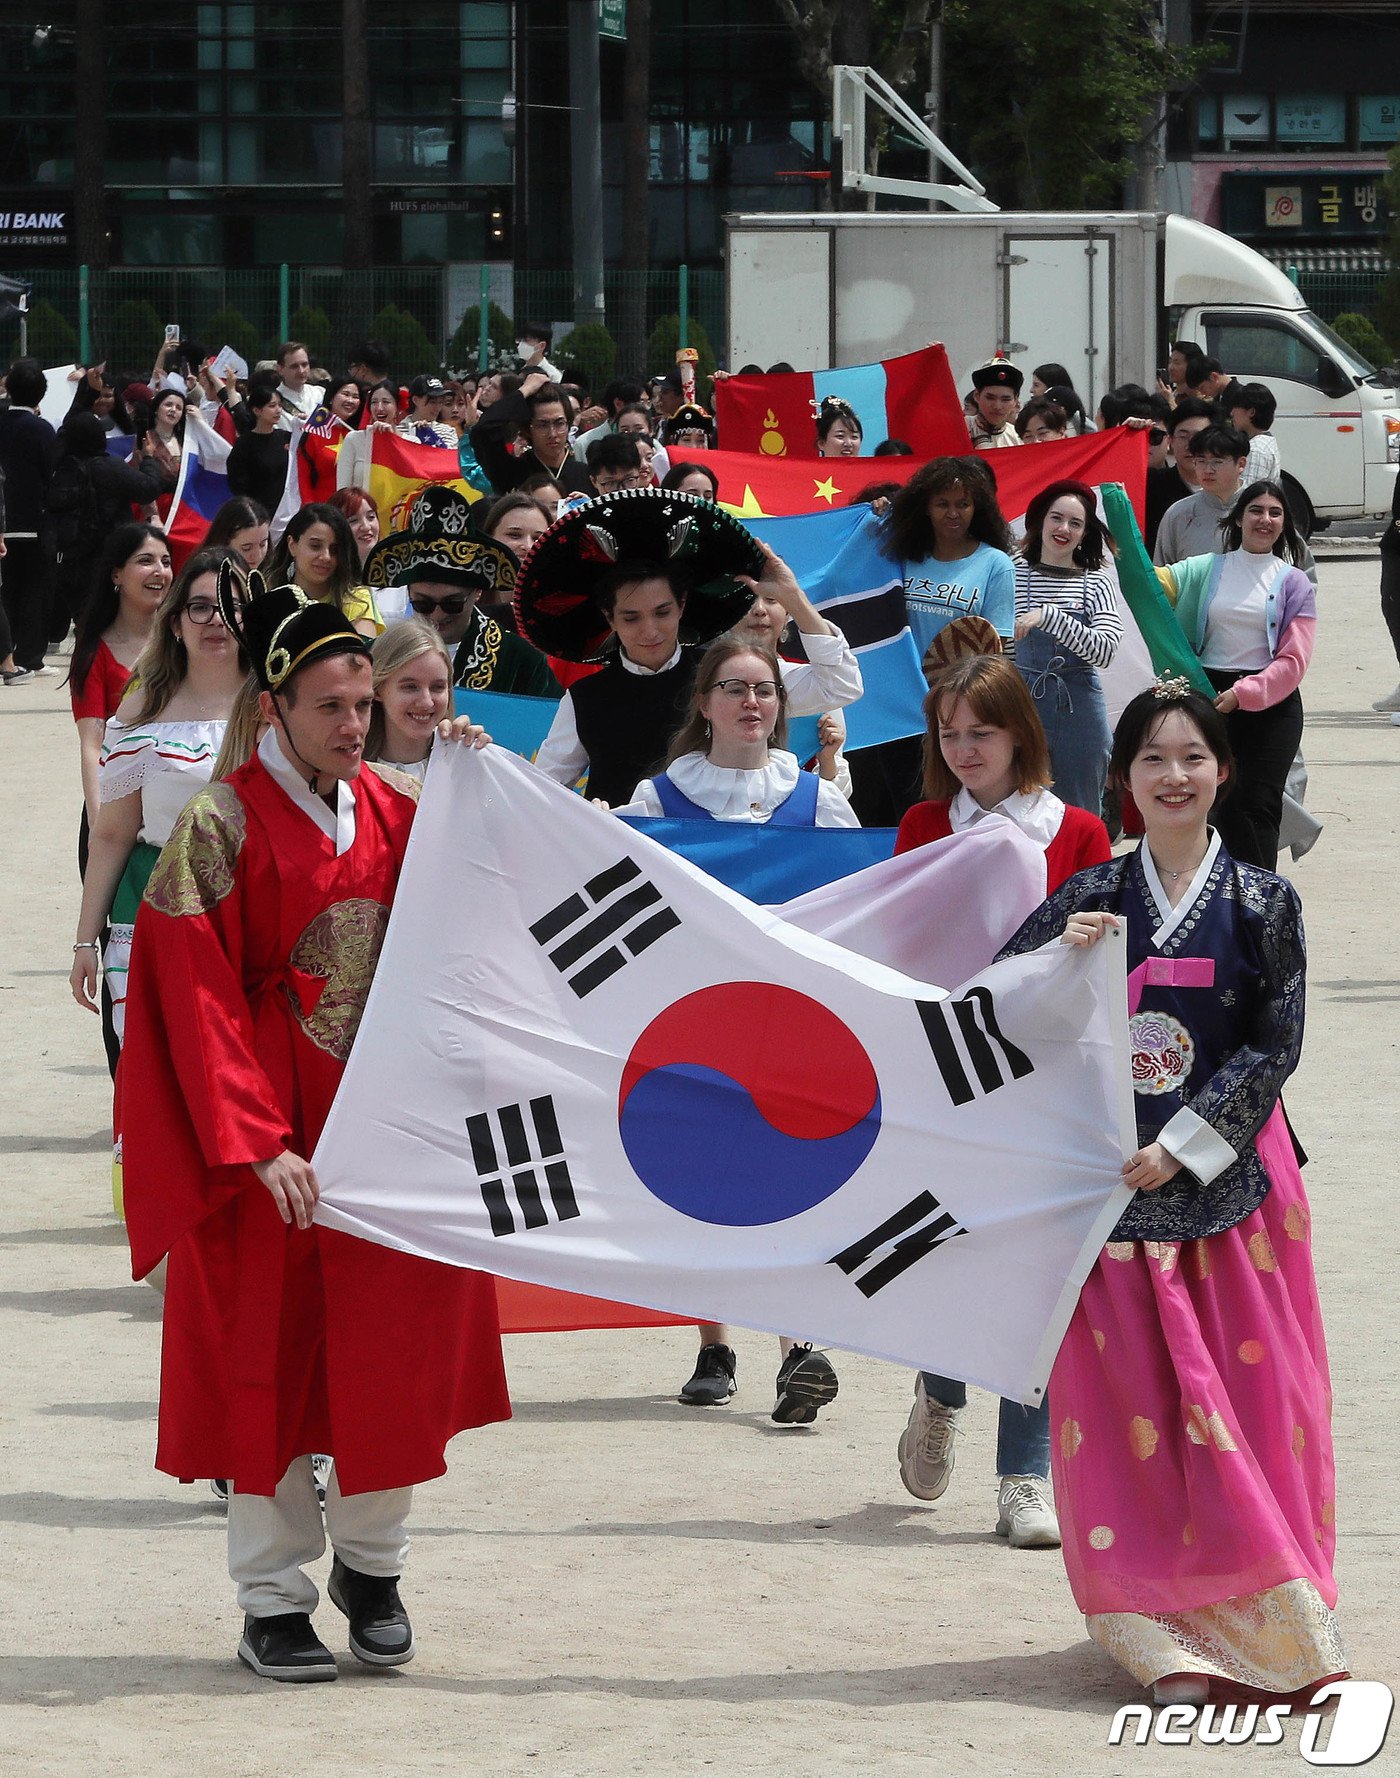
x: 1023, y: 1434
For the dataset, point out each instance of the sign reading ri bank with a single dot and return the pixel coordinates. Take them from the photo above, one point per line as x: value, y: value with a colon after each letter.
x: 24, y: 223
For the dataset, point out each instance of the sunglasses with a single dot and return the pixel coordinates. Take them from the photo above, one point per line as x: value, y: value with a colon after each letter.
x: 1155, y: 435
x: 452, y: 606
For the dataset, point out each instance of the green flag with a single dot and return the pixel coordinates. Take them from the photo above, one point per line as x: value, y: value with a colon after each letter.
x: 1144, y: 596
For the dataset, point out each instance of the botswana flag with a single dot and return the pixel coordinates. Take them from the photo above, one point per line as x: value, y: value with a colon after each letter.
x: 838, y: 562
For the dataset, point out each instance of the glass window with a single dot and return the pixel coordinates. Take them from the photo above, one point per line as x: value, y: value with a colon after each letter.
x: 307, y: 237
x: 1208, y: 117
x: 1310, y: 117
x: 1378, y: 118
x: 1245, y: 118
x: 1253, y: 347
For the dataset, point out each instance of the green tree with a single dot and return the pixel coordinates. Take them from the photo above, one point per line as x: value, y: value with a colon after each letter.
x: 588, y: 355
x: 1060, y: 139
x: 1361, y: 334
x: 132, y: 340
x: 49, y: 337
x: 409, y: 348
x: 463, y: 348
x: 661, y: 349
x: 229, y: 327
x: 312, y: 326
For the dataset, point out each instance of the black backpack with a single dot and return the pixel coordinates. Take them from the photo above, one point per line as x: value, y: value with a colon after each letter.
x: 75, y: 522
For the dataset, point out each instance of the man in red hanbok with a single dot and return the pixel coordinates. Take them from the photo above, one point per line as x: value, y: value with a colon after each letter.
x: 257, y: 943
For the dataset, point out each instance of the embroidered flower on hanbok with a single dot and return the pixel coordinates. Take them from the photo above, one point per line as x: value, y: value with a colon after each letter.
x: 1163, y: 1051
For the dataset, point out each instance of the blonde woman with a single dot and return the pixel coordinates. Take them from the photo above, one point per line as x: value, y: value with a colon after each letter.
x: 412, y: 695
x: 158, y: 750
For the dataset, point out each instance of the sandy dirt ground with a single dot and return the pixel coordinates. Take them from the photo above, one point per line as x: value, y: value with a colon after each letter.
x: 613, y: 1584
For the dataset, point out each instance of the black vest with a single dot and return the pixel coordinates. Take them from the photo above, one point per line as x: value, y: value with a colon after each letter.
x: 626, y: 720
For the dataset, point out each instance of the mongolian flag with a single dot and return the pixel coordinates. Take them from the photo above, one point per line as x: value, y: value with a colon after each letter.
x: 756, y: 487
x: 912, y: 397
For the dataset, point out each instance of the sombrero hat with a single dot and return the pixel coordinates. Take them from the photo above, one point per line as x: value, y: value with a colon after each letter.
x: 957, y: 640
x: 653, y: 530
x: 440, y: 542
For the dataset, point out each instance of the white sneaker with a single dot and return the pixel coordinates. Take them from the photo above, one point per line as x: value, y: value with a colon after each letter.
x: 1391, y: 702
x: 927, y: 1446
x: 1396, y: 719
x: 1025, y: 1515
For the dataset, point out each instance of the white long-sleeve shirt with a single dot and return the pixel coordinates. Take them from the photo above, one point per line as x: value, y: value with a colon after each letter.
x: 827, y: 680
x: 732, y: 795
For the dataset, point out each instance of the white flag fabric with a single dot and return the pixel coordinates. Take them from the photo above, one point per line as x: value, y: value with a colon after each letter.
x: 585, y: 1064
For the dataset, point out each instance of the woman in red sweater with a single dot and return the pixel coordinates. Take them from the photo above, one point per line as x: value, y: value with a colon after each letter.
x: 985, y: 754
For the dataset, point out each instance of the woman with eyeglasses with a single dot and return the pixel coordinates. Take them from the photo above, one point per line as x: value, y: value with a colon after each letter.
x: 728, y: 763
x: 158, y: 750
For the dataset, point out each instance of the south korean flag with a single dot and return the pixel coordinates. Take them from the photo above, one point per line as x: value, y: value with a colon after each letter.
x: 584, y: 1064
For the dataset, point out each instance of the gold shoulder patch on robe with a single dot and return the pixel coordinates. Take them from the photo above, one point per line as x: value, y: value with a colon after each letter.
x: 404, y: 782
x: 340, y: 947
x: 196, y: 867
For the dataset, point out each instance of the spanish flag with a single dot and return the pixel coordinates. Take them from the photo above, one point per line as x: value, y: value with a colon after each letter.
x: 912, y: 397
x: 394, y: 471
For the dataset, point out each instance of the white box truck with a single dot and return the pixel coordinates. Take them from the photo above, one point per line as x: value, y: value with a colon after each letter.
x: 1102, y: 293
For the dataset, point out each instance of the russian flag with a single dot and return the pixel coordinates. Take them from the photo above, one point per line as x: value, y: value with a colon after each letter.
x: 201, y: 490
x: 912, y: 397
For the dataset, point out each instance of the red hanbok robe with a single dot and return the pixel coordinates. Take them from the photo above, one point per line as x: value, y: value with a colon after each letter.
x: 255, y: 953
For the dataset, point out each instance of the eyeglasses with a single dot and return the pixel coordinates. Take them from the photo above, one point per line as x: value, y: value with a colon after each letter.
x: 452, y: 606
x: 606, y: 484
x: 767, y: 691
x: 202, y: 611
x: 560, y: 425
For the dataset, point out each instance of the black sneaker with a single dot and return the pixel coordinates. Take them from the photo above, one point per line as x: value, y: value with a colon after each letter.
x: 713, y: 1381
x: 806, y: 1382
x: 286, y: 1647
x: 380, y: 1633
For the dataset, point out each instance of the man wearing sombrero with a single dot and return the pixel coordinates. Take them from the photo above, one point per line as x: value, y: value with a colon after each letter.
x: 639, y: 580
x: 447, y: 567
x: 263, y: 922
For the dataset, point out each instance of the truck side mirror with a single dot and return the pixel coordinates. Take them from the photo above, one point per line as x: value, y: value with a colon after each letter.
x: 1333, y: 380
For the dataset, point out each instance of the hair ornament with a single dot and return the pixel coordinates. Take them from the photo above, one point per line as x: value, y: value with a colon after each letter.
x: 1170, y: 685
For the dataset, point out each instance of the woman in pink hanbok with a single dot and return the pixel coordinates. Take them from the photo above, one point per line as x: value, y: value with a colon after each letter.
x: 1191, y: 1441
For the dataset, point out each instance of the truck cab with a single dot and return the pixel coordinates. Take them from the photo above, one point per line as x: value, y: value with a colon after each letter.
x: 1338, y: 422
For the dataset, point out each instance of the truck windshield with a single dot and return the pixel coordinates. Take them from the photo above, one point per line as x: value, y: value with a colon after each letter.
x: 1350, y: 359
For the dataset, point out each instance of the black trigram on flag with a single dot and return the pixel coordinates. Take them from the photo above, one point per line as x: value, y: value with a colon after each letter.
x: 518, y: 1149
x: 993, y: 1058
x: 590, y: 936
x: 897, y: 1243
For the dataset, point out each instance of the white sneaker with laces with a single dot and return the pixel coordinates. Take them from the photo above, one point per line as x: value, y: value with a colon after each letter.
x: 927, y: 1450
x: 1390, y: 702
x: 1025, y: 1515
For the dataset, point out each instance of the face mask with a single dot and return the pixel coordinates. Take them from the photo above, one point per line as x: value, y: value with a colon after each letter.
x: 524, y: 349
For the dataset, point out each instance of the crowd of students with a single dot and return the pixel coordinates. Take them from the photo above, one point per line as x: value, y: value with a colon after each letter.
x: 675, y: 659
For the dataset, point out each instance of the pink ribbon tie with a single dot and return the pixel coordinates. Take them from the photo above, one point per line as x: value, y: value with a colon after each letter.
x: 1169, y: 972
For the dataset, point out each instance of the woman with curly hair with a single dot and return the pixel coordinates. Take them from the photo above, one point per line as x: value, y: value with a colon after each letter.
x: 948, y: 534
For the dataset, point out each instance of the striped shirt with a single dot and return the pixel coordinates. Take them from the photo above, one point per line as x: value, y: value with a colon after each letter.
x: 1081, y: 609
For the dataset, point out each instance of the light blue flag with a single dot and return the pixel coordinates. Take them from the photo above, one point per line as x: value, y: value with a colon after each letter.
x: 837, y: 559
x: 517, y: 724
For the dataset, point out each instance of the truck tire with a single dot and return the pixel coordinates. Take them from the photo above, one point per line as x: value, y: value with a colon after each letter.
x: 1304, y: 518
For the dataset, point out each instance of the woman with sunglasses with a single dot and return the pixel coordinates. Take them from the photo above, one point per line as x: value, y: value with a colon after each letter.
x: 727, y: 763
x: 159, y: 749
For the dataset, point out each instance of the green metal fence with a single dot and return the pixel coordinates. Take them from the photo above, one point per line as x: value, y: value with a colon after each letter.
x: 1333, y: 293
x: 427, y: 317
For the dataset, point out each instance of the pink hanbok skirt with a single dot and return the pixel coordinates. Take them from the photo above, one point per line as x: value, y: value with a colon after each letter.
x: 1192, y: 1450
